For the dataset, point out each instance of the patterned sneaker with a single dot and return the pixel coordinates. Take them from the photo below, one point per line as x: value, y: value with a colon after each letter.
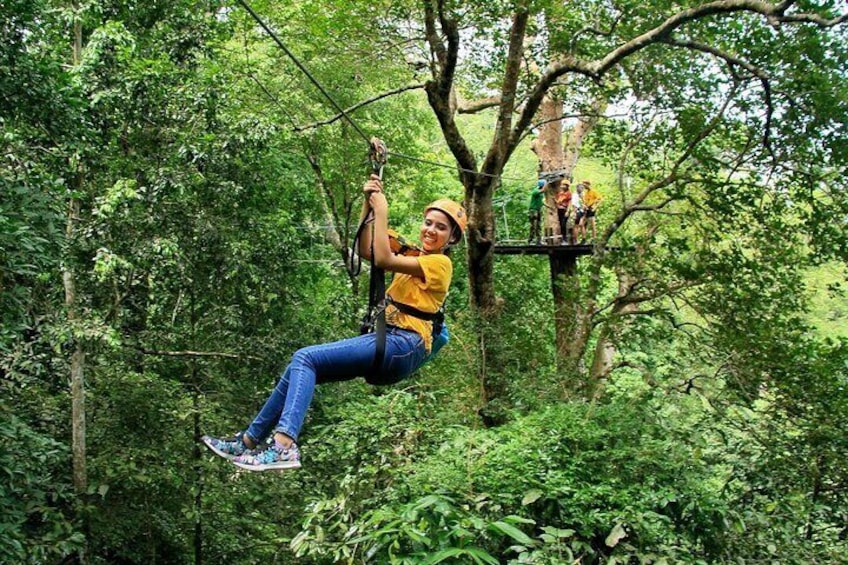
x: 272, y: 458
x: 229, y: 448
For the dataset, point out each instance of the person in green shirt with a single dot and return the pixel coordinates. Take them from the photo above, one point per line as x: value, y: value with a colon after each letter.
x: 535, y: 205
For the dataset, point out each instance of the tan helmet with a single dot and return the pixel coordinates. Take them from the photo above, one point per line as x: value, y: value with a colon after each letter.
x: 454, y: 210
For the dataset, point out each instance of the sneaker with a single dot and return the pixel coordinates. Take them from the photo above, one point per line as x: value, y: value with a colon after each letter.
x: 271, y: 458
x: 228, y: 448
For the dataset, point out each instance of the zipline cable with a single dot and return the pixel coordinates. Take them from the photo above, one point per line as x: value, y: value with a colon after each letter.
x: 342, y: 111
x: 304, y: 70
x: 452, y: 167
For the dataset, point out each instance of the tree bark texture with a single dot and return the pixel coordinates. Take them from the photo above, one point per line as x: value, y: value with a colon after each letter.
x: 548, y: 148
x: 565, y: 286
x: 77, y: 375
x: 572, y: 314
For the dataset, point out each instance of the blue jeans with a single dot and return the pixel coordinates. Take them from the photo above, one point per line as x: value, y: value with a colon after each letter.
x: 343, y: 360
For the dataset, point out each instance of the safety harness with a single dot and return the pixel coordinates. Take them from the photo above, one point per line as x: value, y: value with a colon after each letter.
x: 437, y: 317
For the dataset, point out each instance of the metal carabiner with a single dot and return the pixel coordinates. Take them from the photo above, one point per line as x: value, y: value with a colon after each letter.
x: 378, y: 153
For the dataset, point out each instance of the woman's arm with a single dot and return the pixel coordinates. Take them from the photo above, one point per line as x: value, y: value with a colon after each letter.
x: 373, y: 185
x: 383, y: 256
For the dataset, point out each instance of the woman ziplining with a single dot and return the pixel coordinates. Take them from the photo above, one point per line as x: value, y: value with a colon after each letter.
x: 404, y: 330
x: 414, y: 298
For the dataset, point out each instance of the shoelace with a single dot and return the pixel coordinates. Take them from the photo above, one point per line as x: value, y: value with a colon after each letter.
x: 231, y: 445
x: 268, y: 454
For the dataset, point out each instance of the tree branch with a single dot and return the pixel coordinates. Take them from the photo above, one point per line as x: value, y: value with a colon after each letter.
x: 653, y: 207
x: 595, y: 70
x: 194, y: 354
x: 474, y: 106
x: 447, y: 68
x: 732, y: 62
x: 439, y: 89
x: 359, y: 105
x: 504, y: 142
x: 629, y: 298
x: 437, y: 47
x: 663, y: 31
x: 813, y: 19
x: 672, y: 175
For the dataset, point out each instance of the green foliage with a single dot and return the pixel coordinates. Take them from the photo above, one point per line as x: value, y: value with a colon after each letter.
x: 828, y: 307
x: 799, y: 436
x: 190, y: 143
x: 567, y: 481
x: 35, y: 520
x: 433, y: 529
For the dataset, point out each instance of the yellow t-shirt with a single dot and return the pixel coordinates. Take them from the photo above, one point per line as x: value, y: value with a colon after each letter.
x: 591, y: 198
x: 425, y: 294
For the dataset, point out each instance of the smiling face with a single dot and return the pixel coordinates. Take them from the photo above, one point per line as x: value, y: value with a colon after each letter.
x: 436, y: 231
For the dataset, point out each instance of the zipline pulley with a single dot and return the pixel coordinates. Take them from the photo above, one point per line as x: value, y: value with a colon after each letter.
x: 378, y: 154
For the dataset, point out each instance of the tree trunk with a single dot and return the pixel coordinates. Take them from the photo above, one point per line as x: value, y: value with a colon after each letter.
x: 77, y: 365
x: 197, y: 452
x: 78, y: 355
x: 548, y: 147
x: 443, y: 36
x: 197, y: 455
x: 480, y: 236
x: 565, y: 286
x: 572, y: 312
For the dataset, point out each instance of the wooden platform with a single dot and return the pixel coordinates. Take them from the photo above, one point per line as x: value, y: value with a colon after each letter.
x: 557, y: 249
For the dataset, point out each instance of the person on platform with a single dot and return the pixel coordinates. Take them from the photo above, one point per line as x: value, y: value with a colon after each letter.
x: 563, y: 206
x: 534, y: 211
x: 577, y: 230
x: 591, y: 201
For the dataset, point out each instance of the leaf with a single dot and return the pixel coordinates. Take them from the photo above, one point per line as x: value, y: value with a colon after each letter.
x: 515, y: 519
x: 440, y: 556
x: 531, y: 496
x: 616, y: 535
x: 557, y: 532
x: 512, y: 532
x: 479, y: 556
x: 482, y: 556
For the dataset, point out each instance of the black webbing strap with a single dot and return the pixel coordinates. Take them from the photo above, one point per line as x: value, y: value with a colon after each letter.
x: 377, y: 155
x: 377, y: 303
x: 437, y: 317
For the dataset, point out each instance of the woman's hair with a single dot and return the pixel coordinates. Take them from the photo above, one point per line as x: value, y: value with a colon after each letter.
x: 454, y: 237
x: 456, y: 233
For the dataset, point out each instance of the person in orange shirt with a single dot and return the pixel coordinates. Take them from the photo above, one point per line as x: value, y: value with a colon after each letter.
x: 563, y: 205
x: 591, y: 201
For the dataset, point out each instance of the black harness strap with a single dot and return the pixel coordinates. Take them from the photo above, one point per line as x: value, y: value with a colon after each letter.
x: 377, y: 155
x: 377, y: 305
x: 437, y: 317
